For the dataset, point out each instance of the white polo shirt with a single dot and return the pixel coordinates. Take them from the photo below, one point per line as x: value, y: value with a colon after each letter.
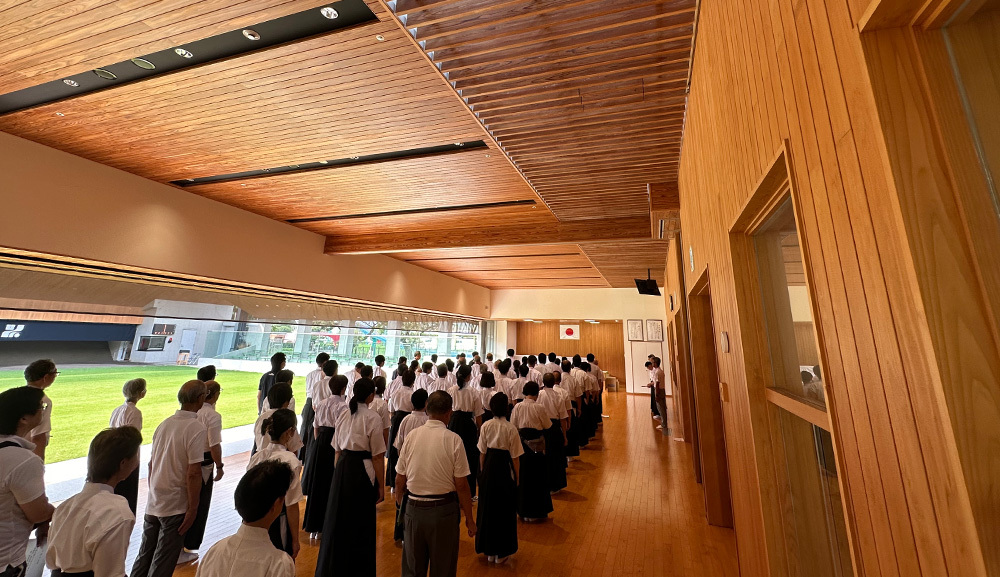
x: 552, y: 400
x: 248, y: 553
x: 498, y: 433
x: 45, y: 425
x: 126, y: 415
x: 529, y: 414
x: 317, y: 386
x: 179, y: 441
x: 90, y: 532
x: 213, y: 425
x: 432, y: 458
x: 410, y: 422
x: 22, y: 480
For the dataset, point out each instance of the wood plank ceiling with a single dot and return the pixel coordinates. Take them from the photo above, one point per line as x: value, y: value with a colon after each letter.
x: 580, y: 104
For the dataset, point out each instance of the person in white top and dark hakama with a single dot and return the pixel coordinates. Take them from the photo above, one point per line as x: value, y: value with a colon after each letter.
x: 555, y: 435
x: 211, y: 471
x: 90, y: 530
x: 442, y: 382
x: 415, y: 419
x: 401, y: 406
x: 260, y: 498
x: 466, y: 418
x: 128, y: 415
x: 381, y: 407
x: 317, y: 477
x: 534, y: 503
x: 358, y: 486
x: 487, y: 389
x: 280, y: 428
x: 318, y: 390
x: 315, y: 389
x: 496, y: 516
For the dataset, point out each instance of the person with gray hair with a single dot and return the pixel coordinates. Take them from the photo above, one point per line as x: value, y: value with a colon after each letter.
x: 211, y: 470
x: 129, y: 415
x: 174, y: 484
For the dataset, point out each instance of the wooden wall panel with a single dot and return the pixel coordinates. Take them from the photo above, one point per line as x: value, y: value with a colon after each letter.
x: 770, y: 71
x: 606, y: 340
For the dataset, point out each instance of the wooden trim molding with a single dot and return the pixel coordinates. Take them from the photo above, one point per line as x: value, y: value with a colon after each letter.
x: 803, y: 410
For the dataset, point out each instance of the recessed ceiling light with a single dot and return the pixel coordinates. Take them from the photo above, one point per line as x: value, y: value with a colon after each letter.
x: 69, y: 82
x: 380, y: 38
x: 329, y: 12
x: 105, y: 74
x: 355, y: 158
x: 459, y: 144
x: 529, y: 320
x: 143, y: 63
x: 184, y: 53
x: 251, y: 34
x: 324, y: 162
x: 60, y: 114
x: 487, y: 156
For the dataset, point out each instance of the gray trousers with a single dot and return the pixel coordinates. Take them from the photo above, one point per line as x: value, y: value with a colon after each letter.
x: 431, y: 540
x: 661, y: 404
x: 161, y: 546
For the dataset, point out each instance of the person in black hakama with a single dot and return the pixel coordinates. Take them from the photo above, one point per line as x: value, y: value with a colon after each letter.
x: 401, y: 406
x: 555, y: 440
x: 280, y: 427
x: 318, y: 475
x: 358, y: 486
x: 496, y: 516
x: 466, y: 418
x: 487, y: 390
x: 314, y: 382
x: 534, y: 502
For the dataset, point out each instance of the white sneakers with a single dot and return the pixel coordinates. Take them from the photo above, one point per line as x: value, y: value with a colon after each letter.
x: 186, y: 557
x: 497, y: 560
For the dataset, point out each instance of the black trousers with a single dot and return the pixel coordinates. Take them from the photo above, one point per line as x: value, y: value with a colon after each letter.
x: 129, y: 488
x: 430, y: 545
x: 195, y: 535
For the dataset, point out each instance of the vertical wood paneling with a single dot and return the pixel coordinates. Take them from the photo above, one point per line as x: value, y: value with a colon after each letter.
x: 606, y: 340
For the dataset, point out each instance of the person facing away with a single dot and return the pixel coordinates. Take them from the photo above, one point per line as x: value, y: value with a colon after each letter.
x: 395, y: 373
x: 442, y: 382
x: 279, y: 397
x: 174, y: 484
x: 402, y: 405
x: 207, y: 373
x: 319, y: 464
x: 129, y: 415
x: 90, y: 530
x: 23, y: 503
x: 496, y: 516
x: 434, y: 471
x: 378, y: 370
x: 267, y: 380
x: 425, y: 376
x: 534, y: 374
x: 260, y: 498
x: 280, y: 429
x: 530, y: 418
x: 211, y: 471
x: 40, y: 375
x: 282, y: 377
x: 466, y: 418
x: 381, y: 407
x: 317, y: 389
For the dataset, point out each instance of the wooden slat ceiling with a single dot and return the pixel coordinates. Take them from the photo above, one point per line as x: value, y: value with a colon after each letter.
x: 580, y: 103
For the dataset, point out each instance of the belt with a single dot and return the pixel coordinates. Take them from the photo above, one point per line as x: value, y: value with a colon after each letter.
x: 361, y: 454
x: 61, y: 573
x: 415, y: 500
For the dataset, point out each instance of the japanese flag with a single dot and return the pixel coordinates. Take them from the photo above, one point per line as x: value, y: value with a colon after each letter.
x: 569, y: 332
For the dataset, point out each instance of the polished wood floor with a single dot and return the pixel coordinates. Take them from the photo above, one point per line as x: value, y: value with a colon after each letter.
x: 632, y: 508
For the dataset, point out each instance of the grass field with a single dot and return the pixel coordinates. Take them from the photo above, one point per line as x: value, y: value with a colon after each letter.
x: 83, y: 399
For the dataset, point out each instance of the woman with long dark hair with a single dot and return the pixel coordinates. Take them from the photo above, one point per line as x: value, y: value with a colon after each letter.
x: 358, y: 486
x: 487, y: 390
x: 496, y: 516
x: 280, y: 427
x: 466, y: 418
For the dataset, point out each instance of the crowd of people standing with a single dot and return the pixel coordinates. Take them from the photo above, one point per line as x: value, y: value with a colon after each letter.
x: 433, y: 438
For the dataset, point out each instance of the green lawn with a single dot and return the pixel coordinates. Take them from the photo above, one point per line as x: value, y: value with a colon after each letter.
x: 83, y: 399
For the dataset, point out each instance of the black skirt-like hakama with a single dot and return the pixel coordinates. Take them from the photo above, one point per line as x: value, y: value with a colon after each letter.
x: 350, y: 520
x: 318, y: 477
x: 496, y: 514
x: 463, y: 425
x: 533, y: 499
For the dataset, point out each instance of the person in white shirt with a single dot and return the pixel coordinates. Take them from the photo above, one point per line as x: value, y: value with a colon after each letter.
x: 90, y: 530
x: 574, y: 391
x: 489, y: 361
x: 553, y: 365
x: 280, y: 429
x: 540, y: 364
x: 441, y: 383
x: 267, y: 380
x: 378, y: 370
x: 466, y: 418
x: 652, y: 389
x: 129, y: 415
x: 320, y: 391
x: 487, y: 389
x: 353, y: 376
x: 434, y: 472
x: 40, y: 375
x: 395, y: 383
x: 504, y: 384
x: 660, y: 393
x: 174, y: 484
x: 211, y: 471
x: 413, y: 420
x: 425, y: 376
x: 280, y: 396
x: 450, y: 365
x: 23, y: 503
x: 534, y: 375
x: 318, y: 469
x: 555, y: 435
x: 517, y: 385
x: 381, y: 407
x: 591, y: 409
x: 260, y: 498
x: 402, y: 405
x: 282, y: 377
x: 358, y: 486
x: 599, y: 375
x: 316, y: 390
x: 496, y: 516
x: 531, y: 420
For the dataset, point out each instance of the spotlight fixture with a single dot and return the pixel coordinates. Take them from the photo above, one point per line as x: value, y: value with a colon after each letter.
x: 251, y: 34
x: 324, y: 162
x: 60, y: 114
x: 487, y: 156
x: 329, y: 12
x: 143, y: 63
x: 380, y: 38
x: 184, y: 53
x: 105, y: 74
x: 355, y: 157
x: 459, y: 144
x: 70, y: 82
x: 529, y: 320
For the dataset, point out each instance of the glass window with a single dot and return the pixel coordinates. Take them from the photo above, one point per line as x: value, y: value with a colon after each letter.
x: 152, y: 343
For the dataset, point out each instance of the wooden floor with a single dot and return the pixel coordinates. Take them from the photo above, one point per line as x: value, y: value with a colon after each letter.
x: 632, y: 508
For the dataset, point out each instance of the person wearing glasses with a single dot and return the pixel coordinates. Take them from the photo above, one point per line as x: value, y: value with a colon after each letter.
x: 211, y: 471
x: 23, y: 504
x: 40, y: 375
x: 174, y: 484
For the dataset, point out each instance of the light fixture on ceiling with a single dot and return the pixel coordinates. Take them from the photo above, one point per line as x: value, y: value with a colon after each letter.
x: 70, y: 82
x: 487, y: 156
x: 529, y: 320
x: 184, y: 53
x: 459, y: 144
x: 105, y: 74
x: 329, y: 12
x: 380, y: 38
x: 143, y: 63
x: 355, y: 157
x: 60, y: 114
x: 324, y: 162
x: 251, y: 34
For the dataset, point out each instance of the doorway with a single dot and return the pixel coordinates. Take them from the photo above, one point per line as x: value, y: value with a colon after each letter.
x: 708, y: 406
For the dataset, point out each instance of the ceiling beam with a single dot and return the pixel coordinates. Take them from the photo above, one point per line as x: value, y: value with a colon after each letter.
x: 558, y: 233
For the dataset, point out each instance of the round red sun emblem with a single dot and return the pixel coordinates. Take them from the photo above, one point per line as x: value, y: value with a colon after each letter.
x: 569, y: 332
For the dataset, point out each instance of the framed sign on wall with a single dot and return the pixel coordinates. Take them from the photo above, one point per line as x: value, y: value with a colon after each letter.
x: 654, y: 330
x: 634, y: 330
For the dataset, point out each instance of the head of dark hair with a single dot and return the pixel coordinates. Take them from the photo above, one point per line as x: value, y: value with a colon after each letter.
x: 487, y: 381
x: 489, y: 356
x: 379, y: 360
x: 450, y: 364
x: 475, y: 353
x: 524, y: 360
x: 576, y: 360
x: 585, y: 367
x: 107, y: 451
x: 807, y: 377
x: 522, y: 370
x: 549, y: 380
x: 207, y: 373
x: 338, y: 384
x: 401, y: 368
x: 330, y: 368
x: 277, y: 361
x: 379, y: 385
x: 532, y: 360
x: 363, y: 389
x: 510, y: 352
x: 408, y: 378
x: 442, y: 371
x: 366, y: 372
x: 434, y: 358
x: 279, y: 422
x: 284, y: 376
x: 552, y: 357
x: 590, y: 357
x: 648, y: 364
x: 516, y: 365
x: 439, y: 403
x: 499, y: 405
x: 37, y: 370
x: 16, y: 403
x: 414, y: 365
x: 567, y: 366
x: 419, y: 399
x: 402, y: 361
x: 504, y: 366
x: 816, y: 371
x: 462, y: 376
x: 530, y: 389
x: 213, y: 388
x: 322, y: 358
x: 541, y: 358
x: 358, y: 366
x: 279, y: 395
x: 261, y: 486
